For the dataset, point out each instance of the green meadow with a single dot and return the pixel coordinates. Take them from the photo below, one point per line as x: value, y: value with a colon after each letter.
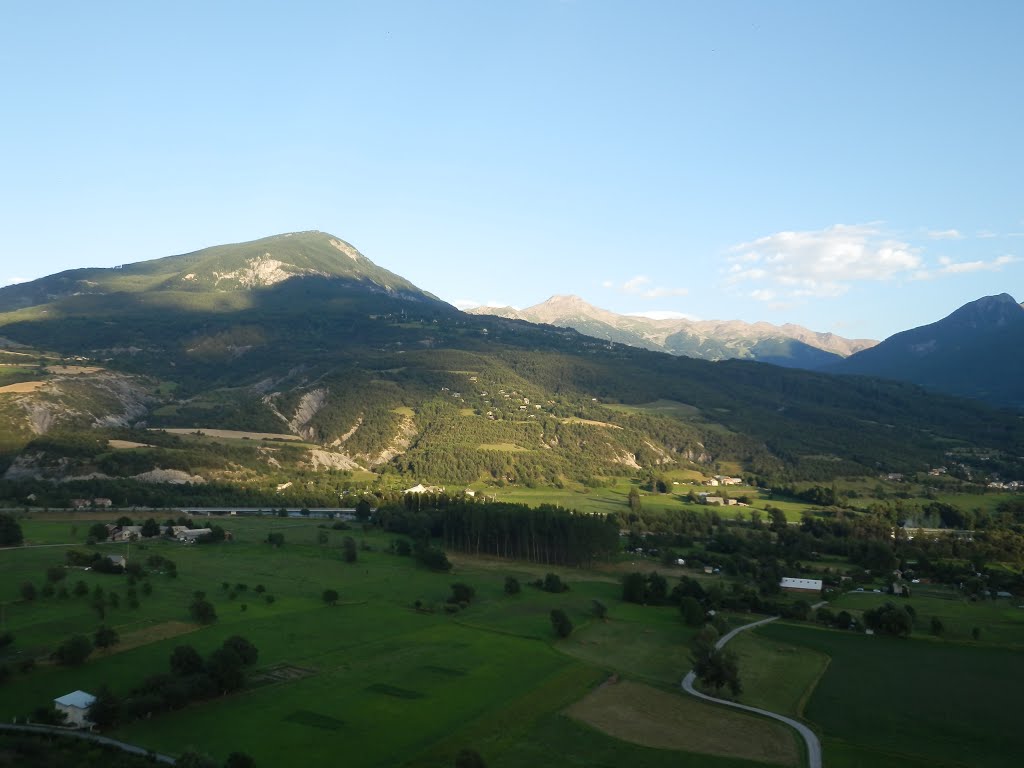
x: 370, y: 681
x: 884, y: 701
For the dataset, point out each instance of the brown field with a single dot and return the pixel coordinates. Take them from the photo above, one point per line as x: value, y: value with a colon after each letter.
x: 151, y: 634
x: 126, y: 444
x: 229, y: 433
x: 72, y: 370
x: 21, y: 387
x: 643, y: 715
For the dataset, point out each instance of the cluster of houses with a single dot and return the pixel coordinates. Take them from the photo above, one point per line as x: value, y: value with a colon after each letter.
x: 98, y: 503
x: 181, y: 533
x: 718, y: 501
x: 718, y: 480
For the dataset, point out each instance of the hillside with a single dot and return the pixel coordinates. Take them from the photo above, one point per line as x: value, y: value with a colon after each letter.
x: 974, y: 352
x: 327, y: 373
x: 787, y: 345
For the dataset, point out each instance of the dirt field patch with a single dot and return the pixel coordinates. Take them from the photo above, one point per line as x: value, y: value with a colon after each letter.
x: 126, y: 444
x: 644, y: 715
x: 151, y: 634
x: 21, y: 387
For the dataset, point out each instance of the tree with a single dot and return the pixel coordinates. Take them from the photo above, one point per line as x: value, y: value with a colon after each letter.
x: 226, y: 668
x: 10, y: 531
x: 560, y: 622
x: 718, y: 668
x: 461, y: 593
x: 634, y: 500
x: 692, y: 611
x: 73, y: 651
x: 185, y: 661
x: 600, y: 609
x: 28, y: 591
x: 245, y: 650
x: 330, y: 596
x: 105, y: 709
x: 322, y: 537
x: 363, y: 510
x: 634, y: 588
x: 936, y: 626
x: 203, y: 611
x: 106, y: 637
x: 150, y: 528
x: 704, y: 641
x: 275, y: 539
x: 512, y: 585
x: 889, y: 619
x: 349, y: 550
x: 976, y: 633
x: 552, y: 583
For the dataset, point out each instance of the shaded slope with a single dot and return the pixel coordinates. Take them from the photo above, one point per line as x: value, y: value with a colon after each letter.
x: 974, y: 352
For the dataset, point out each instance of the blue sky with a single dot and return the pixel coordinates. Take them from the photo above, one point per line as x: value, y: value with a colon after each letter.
x: 851, y: 167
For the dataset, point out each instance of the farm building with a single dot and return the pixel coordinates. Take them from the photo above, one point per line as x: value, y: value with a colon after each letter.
x: 75, y: 707
x: 801, y: 585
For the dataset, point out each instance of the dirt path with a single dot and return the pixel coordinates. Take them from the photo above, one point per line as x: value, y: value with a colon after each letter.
x: 809, y: 737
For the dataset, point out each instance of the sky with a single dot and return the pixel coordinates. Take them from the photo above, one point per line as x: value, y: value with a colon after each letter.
x: 853, y: 167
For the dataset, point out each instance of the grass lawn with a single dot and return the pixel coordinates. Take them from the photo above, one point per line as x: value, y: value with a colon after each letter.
x: 1001, y: 621
x: 943, y: 702
x: 371, y: 680
x: 777, y: 676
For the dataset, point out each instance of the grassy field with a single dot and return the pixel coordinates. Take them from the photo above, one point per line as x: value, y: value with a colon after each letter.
x: 883, y: 700
x: 1001, y: 621
x: 371, y: 681
x: 777, y: 676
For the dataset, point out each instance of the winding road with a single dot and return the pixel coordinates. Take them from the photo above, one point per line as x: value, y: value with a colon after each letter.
x: 809, y: 737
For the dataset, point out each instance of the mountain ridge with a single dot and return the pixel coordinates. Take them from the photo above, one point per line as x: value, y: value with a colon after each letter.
x: 243, y: 266
x: 972, y: 352
x: 790, y: 345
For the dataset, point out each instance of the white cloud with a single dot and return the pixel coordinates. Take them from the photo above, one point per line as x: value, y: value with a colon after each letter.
x: 465, y: 304
x: 663, y: 314
x: 638, y: 286
x: 607, y: 284
x: 820, y: 263
x: 985, y: 234
x: 956, y: 268
x: 14, y: 281
x: 945, y: 234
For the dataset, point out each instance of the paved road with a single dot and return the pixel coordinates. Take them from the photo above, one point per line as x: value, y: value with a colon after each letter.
x: 809, y: 737
x: 49, y: 729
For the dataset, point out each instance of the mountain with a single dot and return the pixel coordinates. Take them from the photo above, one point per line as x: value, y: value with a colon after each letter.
x: 974, y: 352
x: 232, y: 268
x: 327, y: 369
x: 787, y: 345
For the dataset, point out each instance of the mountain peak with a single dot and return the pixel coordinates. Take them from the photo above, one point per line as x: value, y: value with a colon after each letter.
x: 988, y: 311
x: 245, y: 266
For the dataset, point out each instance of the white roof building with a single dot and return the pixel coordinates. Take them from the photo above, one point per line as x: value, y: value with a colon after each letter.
x: 800, y: 585
x: 75, y: 706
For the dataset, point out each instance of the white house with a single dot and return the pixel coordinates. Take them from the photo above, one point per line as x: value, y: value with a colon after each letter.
x: 800, y: 585
x: 75, y: 707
